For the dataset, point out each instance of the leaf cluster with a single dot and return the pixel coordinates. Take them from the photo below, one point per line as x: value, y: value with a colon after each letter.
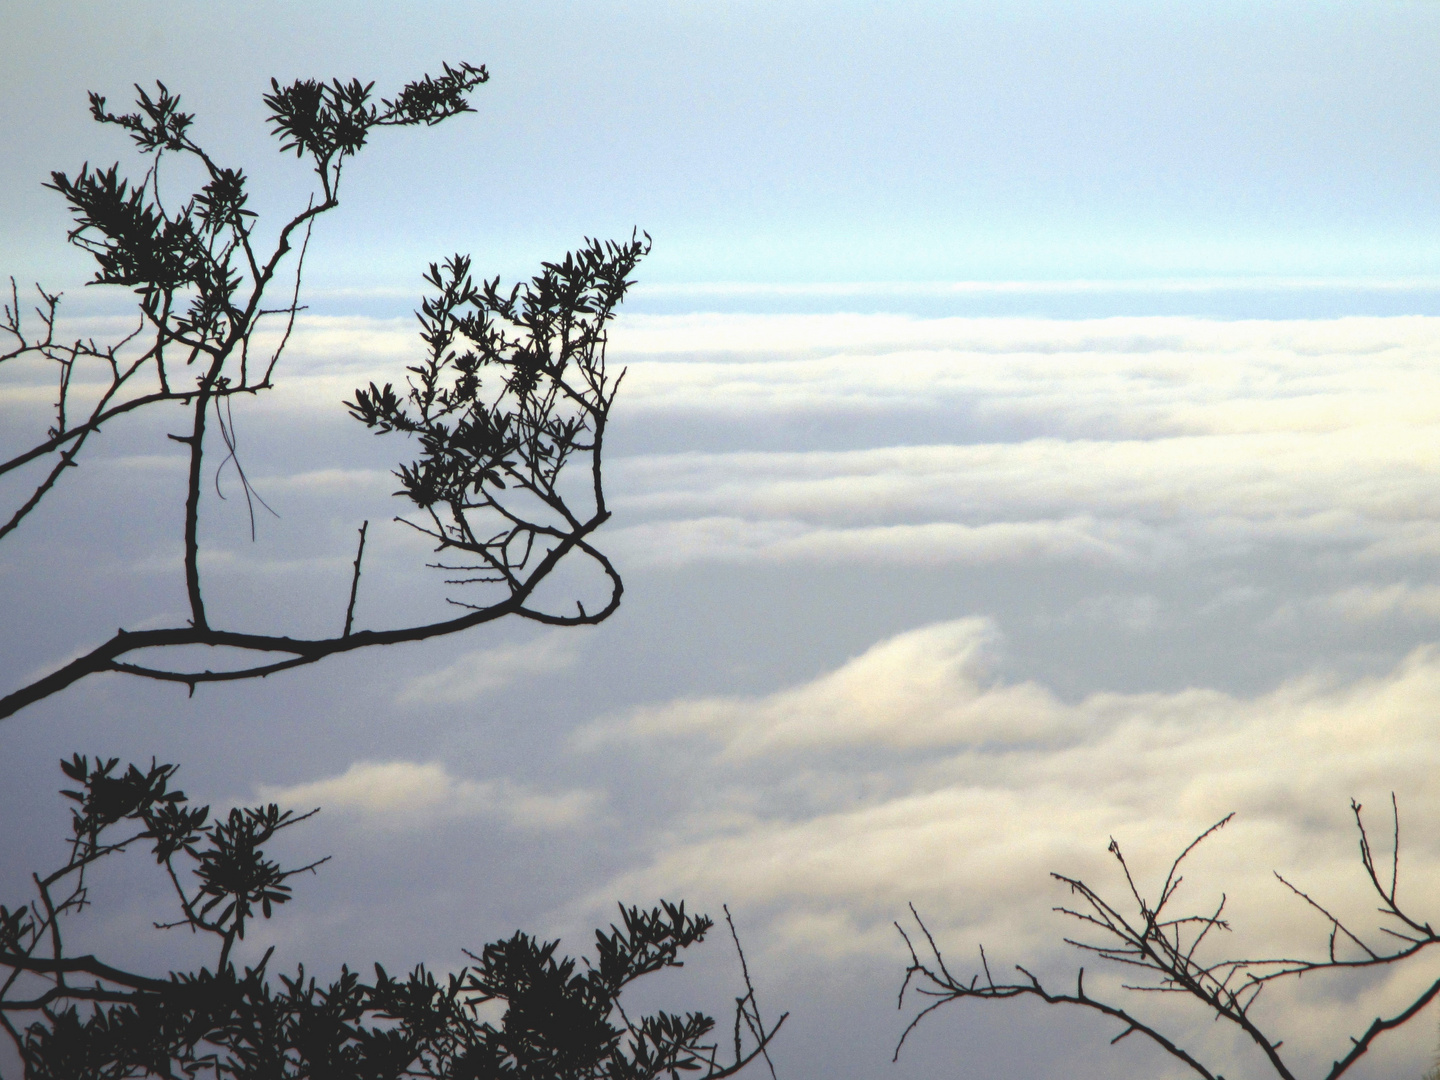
x: 137, y: 243
x: 558, y: 1018
x: 194, y: 262
x: 561, y: 1017
x: 331, y: 121
x: 217, y: 865
x: 509, y: 404
x: 512, y: 389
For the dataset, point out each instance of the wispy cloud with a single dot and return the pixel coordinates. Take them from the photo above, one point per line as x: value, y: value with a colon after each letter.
x: 911, y: 773
x: 1113, y: 439
x: 924, y: 688
x: 403, y: 794
x: 483, y: 671
x: 732, y: 539
x: 1370, y: 602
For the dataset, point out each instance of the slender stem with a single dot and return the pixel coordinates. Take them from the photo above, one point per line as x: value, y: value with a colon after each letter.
x: 355, y: 581
x: 196, y: 441
x: 225, y: 950
x: 67, y: 459
x: 302, y: 650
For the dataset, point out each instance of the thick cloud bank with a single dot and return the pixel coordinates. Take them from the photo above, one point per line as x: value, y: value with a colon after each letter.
x: 1109, y: 440
x: 911, y: 774
x: 917, y: 610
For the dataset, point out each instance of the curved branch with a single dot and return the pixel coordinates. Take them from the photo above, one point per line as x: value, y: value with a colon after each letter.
x: 1379, y: 1027
x: 302, y: 651
x: 81, y: 965
x: 55, y: 442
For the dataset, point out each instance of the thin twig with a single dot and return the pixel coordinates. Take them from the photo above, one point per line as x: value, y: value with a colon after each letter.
x: 750, y: 993
x: 355, y: 580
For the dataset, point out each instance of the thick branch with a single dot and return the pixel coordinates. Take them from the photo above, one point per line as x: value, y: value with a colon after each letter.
x: 302, y: 651
x: 1379, y: 1027
x: 82, y: 965
x: 64, y: 993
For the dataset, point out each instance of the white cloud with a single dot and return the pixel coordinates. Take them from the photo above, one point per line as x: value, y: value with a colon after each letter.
x: 405, y: 793
x: 1129, y: 439
x: 1014, y: 334
x: 483, y: 671
x: 1370, y: 602
x: 1126, y: 460
x: 673, y: 543
x: 1123, y: 439
x: 1121, y: 376
x: 332, y: 481
x: 1115, y: 376
x: 326, y: 357
x: 910, y: 773
x: 1022, y: 763
x: 1123, y: 500
x: 342, y: 342
x: 920, y: 689
x: 1260, y: 477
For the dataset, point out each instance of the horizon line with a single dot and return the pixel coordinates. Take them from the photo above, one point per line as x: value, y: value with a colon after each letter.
x: 940, y: 288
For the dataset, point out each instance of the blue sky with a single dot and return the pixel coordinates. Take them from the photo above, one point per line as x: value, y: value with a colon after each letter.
x: 799, y: 142
x: 1029, y: 438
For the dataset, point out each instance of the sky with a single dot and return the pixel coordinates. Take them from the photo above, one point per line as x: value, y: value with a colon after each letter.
x: 1028, y: 439
x: 804, y: 142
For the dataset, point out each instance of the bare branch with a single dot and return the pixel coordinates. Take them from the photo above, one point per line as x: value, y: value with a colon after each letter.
x: 355, y: 581
x: 1169, y: 949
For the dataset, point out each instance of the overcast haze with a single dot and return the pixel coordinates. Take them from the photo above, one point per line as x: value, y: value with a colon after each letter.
x: 1028, y: 438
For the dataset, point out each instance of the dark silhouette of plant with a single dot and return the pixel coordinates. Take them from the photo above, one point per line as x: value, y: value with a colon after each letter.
x: 1168, y: 949
x: 77, y: 1017
x: 198, y: 271
x: 498, y: 422
x: 512, y: 389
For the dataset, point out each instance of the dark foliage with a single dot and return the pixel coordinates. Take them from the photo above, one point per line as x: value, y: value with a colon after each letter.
x: 512, y: 389
x: 520, y: 1010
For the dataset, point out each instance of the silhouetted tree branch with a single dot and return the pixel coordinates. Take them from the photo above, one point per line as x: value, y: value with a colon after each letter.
x: 200, y: 279
x: 512, y: 389
x: 562, y: 1019
x: 1168, y: 949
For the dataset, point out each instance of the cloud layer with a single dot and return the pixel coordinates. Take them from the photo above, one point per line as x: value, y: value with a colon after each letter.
x: 1111, y: 439
x: 405, y: 793
x: 917, y: 610
x: 482, y: 671
x: 912, y: 774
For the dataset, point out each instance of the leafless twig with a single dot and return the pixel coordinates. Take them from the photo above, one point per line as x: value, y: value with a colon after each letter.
x: 1168, y: 948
